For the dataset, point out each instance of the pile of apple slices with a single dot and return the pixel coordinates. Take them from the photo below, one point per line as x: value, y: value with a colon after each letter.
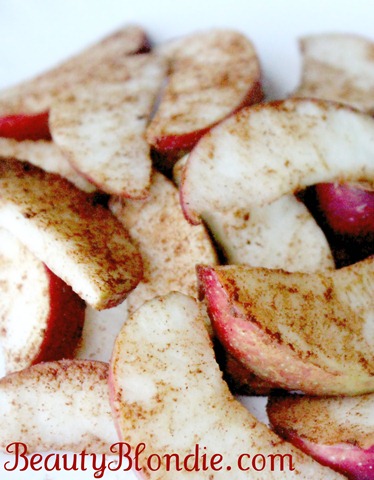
x: 103, y: 234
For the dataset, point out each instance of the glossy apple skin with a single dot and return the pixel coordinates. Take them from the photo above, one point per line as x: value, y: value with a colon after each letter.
x: 346, y: 215
x: 64, y: 324
x: 25, y: 127
x: 354, y: 462
x: 349, y: 210
x: 176, y: 145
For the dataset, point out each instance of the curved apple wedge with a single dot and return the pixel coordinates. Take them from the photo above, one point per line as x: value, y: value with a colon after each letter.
x: 57, y: 406
x: 338, y: 432
x: 101, y: 125
x: 338, y: 67
x: 168, y: 396
x: 41, y: 318
x: 309, y: 332
x: 169, y: 245
x: 37, y: 94
x: 212, y: 74
x: 80, y: 241
x: 282, y: 234
x: 266, y: 151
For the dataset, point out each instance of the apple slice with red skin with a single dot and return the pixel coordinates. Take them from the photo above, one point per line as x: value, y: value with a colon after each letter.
x: 25, y: 127
x: 212, y: 74
x: 302, y: 331
x: 338, y: 67
x: 169, y: 245
x: 101, y: 126
x: 36, y: 95
x: 266, y: 151
x: 62, y: 405
x: 338, y: 432
x: 78, y: 239
x: 41, y: 318
x: 45, y: 155
x: 167, y: 392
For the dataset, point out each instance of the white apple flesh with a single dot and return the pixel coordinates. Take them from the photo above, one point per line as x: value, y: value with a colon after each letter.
x: 167, y: 391
x: 301, y: 331
x: 338, y: 432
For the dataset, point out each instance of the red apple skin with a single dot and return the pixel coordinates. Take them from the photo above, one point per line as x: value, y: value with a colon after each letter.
x: 173, y: 145
x: 354, y: 462
x: 64, y: 323
x: 25, y: 127
x: 348, y: 210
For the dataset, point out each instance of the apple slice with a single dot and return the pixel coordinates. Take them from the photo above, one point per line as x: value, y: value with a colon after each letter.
x: 45, y: 155
x: 282, y: 234
x: 36, y: 95
x: 270, y: 150
x: 169, y: 397
x: 338, y: 67
x: 41, y: 318
x: 338, y: 432
x: 310, y: 332
x: 80, y: 241
x: 101, y: 126
x: 169, y: 245
x: 57, y: 406
x: 25, y: 127
x: 212, y: 74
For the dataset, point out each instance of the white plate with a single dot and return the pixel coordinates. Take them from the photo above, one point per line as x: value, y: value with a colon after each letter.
x: 36, y: 34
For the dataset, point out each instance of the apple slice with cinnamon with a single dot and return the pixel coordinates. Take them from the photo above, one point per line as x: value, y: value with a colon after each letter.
x: 79, y: 240
x: 301, y: 331
x: 167, y: 393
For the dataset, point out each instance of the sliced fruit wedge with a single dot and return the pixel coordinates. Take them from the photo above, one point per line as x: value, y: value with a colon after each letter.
x: 309, y: 332
x: 270, y: 150
x: 101, y: 126
x: 169, y: 245
x: 80, y: 241
x: 212, y: 74
x: 282, y: 234
x: 47, y: 156
x: 57, y: 406
x: 36, y: 95
x: 167, y: 392
x: 41, y: 318
x: 338, y: 67
x: 338, y: 432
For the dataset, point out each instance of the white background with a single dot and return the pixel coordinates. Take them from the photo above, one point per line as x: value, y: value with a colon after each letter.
x: 36, y: 34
